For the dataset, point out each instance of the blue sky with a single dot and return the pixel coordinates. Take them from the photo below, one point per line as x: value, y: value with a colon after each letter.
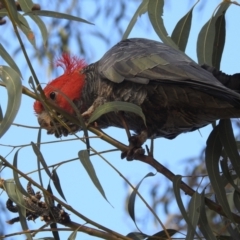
x: 77, y: 187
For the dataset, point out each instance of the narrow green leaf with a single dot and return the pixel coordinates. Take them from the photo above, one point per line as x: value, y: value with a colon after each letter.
x: 177, y: 180
x: 3, y: 12
x: 1, y: 166
x: 236, y: 200
x: 224, y: 237
x: 38, y: 162
x: 57, y: 184
x: 85, y: 160
x: 11, y: 189
x: 131, y: 201
x: 181, y: 31
x: 39, y: 138
x: 207, y: 36
x: 162, y: 234
x: 24, y: 26
x: 45, y: 13
x: 17, y: 197
x: 1, y: 114
x: 42, y: 28
x: 26, y: 6
x: 227, y: 175
x: 205, y: 43
x: 115, y: 107
x: 219, y: 41
x: 14, y: 89
x: 212, y: 155
x: 141, y: 10
x: 73, y: 235
x: 80, y: 118
x: 203, y: 221
x: 234, y: 232
x: 22, y: 215
x: 11, y: 6
x: 194, y: 212
x: 137, y: 235
x: 229, y: 143
x: 9, y: 60
x: 48, y: 199
x: 29, y: 34
x: 21, y: 22
x: 41, y: 159
x: 15, y: 175
x: 155, y: 12
x: 54, y: 233
x: 225, y: 181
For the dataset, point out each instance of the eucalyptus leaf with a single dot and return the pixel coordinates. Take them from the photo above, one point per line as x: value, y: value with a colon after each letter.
x: 54, y: 233
x: 17, y: 197
x: 136, y: 235
x: 212, y: 155
x: 207, y: 38
x: 162, y: 234
x: 177, y: 181
x: 45, y: 13
x: 131, y: 201
x: 26, y: 6
x: 41, y: 159
x: 1, y: 114
x: 115, y: 107
x: 14, y: 89
x: 16, y: 177
x: 57, y: 184
x: 9, y: 60
x: 203, y: 221
x: 181, y: 31
x: 194, y: 213
x: 73, y: 235
x: 229, y: 143
x: 141, y: 10
x: 85, y: 160
x: 155, y: 12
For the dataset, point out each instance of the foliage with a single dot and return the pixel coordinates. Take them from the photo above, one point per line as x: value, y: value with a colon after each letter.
x: 213, y: 190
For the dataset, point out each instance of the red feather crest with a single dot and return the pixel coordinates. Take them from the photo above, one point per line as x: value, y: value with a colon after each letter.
x: 69, y: 63
x: 70, y: 83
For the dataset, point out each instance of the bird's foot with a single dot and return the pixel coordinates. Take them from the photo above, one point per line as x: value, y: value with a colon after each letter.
x: 87, y: 114
x: 135, y: 146
x: 132, y: 153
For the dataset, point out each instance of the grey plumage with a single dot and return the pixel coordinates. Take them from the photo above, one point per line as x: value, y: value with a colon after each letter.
x: 175, y: 94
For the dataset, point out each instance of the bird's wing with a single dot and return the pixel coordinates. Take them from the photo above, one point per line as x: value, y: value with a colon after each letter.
x: 141, y: 61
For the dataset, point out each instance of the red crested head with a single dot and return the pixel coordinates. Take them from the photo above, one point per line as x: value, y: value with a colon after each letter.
x: 69, y: 84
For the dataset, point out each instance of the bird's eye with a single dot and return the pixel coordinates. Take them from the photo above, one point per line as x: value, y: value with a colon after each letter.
x: 52, y: 95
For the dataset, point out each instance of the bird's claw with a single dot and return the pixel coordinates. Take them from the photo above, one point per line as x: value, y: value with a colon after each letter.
x: 135, y: 148
x: 87, y: 114
x: 132, y: 153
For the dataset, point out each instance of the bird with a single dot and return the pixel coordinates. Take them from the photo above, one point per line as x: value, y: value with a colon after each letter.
x: 176, y: 94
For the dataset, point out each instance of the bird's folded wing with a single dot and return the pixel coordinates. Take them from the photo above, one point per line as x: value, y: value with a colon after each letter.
x: 141, y: 61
